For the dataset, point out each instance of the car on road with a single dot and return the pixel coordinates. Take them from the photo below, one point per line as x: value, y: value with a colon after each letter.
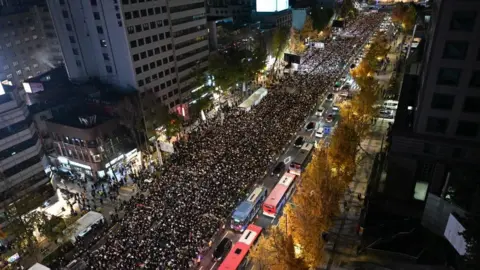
x: 310, y: 126
x: 329, y: 118
x: 330, y: 97
x: 335, y: 110
x: 319, y: 133
x: 222, y: 249
x: 278, y: 169
x: 299, y: 141
x: 320, y: 111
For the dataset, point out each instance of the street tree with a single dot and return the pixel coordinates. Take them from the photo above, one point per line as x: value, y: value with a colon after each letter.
x: 237, y: 65
x: 344, y: 144
x: 308, y: 31
x: 404, y: 15
x: 471, y: 234
x: 314, y: 206
x: 296, y: 44
x: 321, y: 17
x: 348, y: 10
x: 275, y: 250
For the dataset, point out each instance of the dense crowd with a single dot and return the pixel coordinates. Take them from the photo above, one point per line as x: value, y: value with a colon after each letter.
x: 210, y: 172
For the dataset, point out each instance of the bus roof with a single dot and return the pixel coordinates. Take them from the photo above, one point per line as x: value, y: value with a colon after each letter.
x: 280, y: 189
x: 241, y: 248
x: 242, y: 210
x: 301, y: 156
x: 255, y: 195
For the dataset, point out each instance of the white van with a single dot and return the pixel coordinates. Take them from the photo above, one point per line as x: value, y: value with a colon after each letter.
x: 319, y: 133
x: 390, y: 104
x: 320, y: 111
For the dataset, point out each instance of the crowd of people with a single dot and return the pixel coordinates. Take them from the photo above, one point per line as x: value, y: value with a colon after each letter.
x: 211, y: 171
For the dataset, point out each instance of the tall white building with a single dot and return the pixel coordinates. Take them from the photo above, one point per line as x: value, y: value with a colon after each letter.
x: 150, y: 45
x: 21, y: 167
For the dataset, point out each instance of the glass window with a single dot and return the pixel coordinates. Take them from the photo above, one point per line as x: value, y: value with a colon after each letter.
x: 109, y: 69
x: 475, y: 80
x: 471, y: 105
x: 138, y: 70
x: 72, y: 39
x: 442, y: 101
x: 150, y: 12
x: 99, y: 30
x: 449, y: 76
x: 463, y: 20
x: 140, y: 83
x: 133, y: 44
x: 96, y: 15
x: 141, y: 42
x: 136, y: 57
x: 136, y: 14
x: 127, y: 15
x: 437, y: 125
x: 106, y: 57
x: 138, y: 28
x: 467, y: 129
x: 65, y: 14
x: 75, y: 51
x: 103, y: 43
x: 93, y: 2
x: 131, y: 29
x: 455, y: 50
x: 69, y: 27
x: 143, y: 12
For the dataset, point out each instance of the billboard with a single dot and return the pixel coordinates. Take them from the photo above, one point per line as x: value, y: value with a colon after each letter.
x: 33, y: 87
x: 452, y: 233
x: 271, y: 5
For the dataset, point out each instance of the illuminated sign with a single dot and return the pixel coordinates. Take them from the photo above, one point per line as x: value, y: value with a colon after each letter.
x: 2, y: 91
x: 452, y: 233
x: 271, y: 5
x: 33, y: 87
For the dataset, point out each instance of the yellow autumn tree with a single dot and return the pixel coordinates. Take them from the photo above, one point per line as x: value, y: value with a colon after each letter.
x: 296, y: 44
x: 308, y: 31
x: 275, y: 251
x: 314, y: 206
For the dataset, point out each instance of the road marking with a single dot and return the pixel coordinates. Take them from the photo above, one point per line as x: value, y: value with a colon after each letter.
x: 213, y: 266
x: 287, y: 160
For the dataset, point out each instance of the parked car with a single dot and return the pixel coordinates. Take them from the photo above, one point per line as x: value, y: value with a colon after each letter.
x: 310, y: 126
x: 278, y: 169
x: 329, y: 118
x: 299, y: 141
x: 222, y: 249
x: 320, y: 111
x: 330, y: 97
x: 319, y: 133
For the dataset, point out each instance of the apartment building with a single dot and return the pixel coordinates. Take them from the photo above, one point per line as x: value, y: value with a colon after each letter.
x: 435, y: 140
x: 149, y: 45
x: 28, y: 44
x: 21, y: 155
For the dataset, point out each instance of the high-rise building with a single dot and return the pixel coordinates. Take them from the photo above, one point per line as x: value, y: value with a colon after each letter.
x: 238, y: 10
x: 29, y: 45
x: 435, y: 140
x: 143, y: 44
x: 21, y: 155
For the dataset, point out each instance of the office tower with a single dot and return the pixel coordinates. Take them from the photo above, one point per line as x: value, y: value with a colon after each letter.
x: 435, y: 140
x: 29, y: 45
x: 21, y: 167
x: 149, y: 45
x: 238, y: 10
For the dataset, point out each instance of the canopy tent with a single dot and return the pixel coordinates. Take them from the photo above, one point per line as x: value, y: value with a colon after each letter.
x: 254, y: 99
x: 83, y: 225
x: 38, y: 266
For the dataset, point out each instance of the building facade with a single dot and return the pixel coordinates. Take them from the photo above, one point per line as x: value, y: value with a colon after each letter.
x: 28, y: 44
x: 21, y: 155
x: 146, y: 45
x: 435, y: 154
x: 238, y: 10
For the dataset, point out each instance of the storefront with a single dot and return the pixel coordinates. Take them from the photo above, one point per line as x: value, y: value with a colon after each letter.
x: 133, y: 157
x: 78, y: 169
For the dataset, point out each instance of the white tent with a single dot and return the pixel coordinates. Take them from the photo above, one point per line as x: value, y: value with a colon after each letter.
x: 83, y: 225
x: 254, y: 99
x: 38, y: 266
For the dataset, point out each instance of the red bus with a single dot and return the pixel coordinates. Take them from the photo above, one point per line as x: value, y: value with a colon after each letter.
x: 236, y: 257
x: 279, y: 195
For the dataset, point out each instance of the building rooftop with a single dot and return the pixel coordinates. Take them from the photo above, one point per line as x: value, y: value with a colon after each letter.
x: 54, y: 88
x: 81, y: 118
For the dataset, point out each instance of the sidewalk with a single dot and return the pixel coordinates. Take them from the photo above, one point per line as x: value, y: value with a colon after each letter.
x: 344, y: 237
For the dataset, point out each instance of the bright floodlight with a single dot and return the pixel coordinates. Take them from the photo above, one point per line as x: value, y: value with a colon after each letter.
x: 271, y: 5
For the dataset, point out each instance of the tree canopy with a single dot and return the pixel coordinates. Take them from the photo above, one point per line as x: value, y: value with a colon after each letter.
x: 405, y: 15
x: 321, y: 17
x: 237, y: 65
